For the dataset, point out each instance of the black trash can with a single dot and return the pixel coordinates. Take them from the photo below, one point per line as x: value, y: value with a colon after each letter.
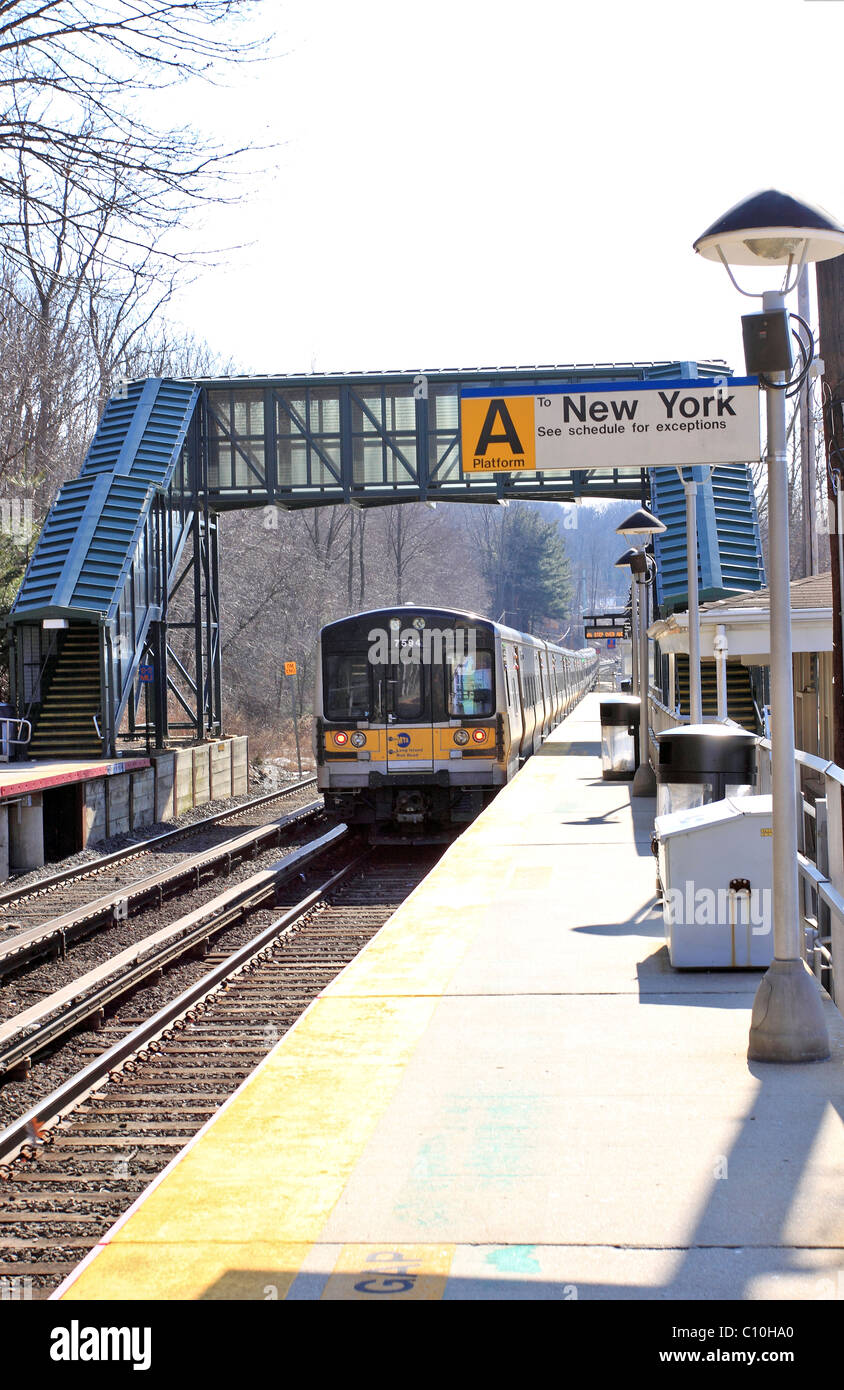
x: 699, y: 763
x: 619, y: 736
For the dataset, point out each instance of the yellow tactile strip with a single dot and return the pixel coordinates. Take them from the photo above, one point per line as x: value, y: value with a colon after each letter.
x: 240, y: 1208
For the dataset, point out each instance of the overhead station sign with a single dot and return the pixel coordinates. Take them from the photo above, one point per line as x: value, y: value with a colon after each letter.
x: 632, y: 425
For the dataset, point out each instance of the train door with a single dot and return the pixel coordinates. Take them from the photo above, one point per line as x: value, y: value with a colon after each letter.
x: 404, y: 712
x: 558, y: 693
x: 510, y: 678
x: 542, y: 703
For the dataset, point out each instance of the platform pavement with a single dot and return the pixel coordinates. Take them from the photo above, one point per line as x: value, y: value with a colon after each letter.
x: 511, y: 1095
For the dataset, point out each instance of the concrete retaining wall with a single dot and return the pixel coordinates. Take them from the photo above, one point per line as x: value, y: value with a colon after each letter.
x: 201, y: 775
x: 142, y: 798
x: 184, y: 781
x: 94, y: 828
x: 221, y: 770
x: 240, y: 766
x: 164, y: 768
x: 118, y: 807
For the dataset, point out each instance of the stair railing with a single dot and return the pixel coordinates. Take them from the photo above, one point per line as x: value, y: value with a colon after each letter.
x: 52, y: 651
x: 8, y: 739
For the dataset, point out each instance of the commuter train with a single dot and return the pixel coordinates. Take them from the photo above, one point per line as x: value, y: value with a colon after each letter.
x: 422, y: 714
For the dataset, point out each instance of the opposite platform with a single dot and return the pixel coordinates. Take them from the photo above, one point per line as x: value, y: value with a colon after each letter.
x: 17, y: 779
x: 511, y: 1095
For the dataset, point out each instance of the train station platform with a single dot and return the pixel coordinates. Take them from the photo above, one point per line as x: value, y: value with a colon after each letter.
x: 53, y: 807
x: 510, y: 1095
x: 18, y: 779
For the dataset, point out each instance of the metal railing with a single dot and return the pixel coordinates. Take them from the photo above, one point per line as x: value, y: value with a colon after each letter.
x: 14, y: 733
x: 820, y: 847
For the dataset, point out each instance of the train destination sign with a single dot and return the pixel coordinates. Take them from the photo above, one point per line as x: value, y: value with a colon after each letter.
x: 638, y: 424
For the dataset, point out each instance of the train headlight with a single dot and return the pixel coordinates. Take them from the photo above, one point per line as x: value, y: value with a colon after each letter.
x: 479, y: 735
x: 358, y: 740
x: 461, y: 736
x: 340, y: 738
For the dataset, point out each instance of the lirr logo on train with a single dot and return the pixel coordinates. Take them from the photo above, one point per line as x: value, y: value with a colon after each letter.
x: 403, y: 740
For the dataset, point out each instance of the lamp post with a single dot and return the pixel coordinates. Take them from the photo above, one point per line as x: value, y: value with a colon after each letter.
x: 768, y: 229
x: 641, y: 567
x: 642, y: 523
x: 623, y: 563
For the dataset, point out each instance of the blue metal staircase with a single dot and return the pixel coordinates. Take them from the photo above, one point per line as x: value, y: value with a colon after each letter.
x: 105, y: 562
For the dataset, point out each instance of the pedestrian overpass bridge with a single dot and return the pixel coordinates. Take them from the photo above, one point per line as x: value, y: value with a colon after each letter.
x: 140, y: 523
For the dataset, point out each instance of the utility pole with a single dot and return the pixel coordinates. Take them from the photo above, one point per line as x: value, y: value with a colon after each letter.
x: 830, y: 280
x: 807, y: 446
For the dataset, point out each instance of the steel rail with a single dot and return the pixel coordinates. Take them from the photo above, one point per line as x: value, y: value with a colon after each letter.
x: 41, y: 1025
x: 19, y: 1134
x: 57, y: 932
x: 93, y: 866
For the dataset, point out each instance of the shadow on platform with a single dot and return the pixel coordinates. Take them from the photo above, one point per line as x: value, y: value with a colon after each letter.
x: 566, y: 750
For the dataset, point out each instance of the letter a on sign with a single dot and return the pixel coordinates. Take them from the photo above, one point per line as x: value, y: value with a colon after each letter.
x: 497, y: 434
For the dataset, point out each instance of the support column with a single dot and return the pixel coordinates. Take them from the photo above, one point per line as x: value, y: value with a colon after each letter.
x: 4, y: 843
x: 695, y: 699
x: 787, y: 1024
x: 26, y: 834
x: 721, y: 647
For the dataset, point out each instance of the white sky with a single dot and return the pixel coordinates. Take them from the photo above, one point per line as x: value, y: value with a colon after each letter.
x: 475, y: 183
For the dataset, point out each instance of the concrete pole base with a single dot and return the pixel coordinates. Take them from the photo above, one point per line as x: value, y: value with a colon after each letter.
x: 644, y: 782
x: 787, y: 1024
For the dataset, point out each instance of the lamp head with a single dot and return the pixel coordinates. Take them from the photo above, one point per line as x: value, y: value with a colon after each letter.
x: 641, y: 523
x: 772, y: 228
x: 636, y: 561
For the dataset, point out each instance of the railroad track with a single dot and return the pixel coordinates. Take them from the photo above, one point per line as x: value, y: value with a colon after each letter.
x: 22, y: 904
x: 27, y: 1034
x: 121, y: 1118
x: 134, y: 892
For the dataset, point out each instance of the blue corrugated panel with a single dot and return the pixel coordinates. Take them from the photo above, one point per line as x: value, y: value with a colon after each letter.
x: 86, y: 547
x: 43, y: 575
x: 729, y: 547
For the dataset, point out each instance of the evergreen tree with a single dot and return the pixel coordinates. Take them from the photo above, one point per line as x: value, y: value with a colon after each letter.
x: 525, y: 566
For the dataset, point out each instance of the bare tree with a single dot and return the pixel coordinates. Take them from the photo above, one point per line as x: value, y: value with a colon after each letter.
x: 75, y: 142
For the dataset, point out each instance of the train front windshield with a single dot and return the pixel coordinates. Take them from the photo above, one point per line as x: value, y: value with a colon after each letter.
x: 416, y: 676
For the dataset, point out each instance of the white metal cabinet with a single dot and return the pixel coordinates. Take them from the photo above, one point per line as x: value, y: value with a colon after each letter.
x: 716, y: 870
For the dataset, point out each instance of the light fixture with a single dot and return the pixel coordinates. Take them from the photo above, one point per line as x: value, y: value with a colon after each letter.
x: 771, y: 228
x: 642, y: 568
x: 641, y: 523
x: 768, y: 229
